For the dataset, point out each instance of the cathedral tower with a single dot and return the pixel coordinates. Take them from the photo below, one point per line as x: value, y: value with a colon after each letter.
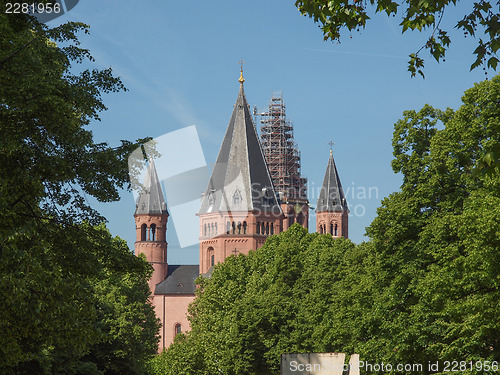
x: 283, y: 159
x: 240, y: 208
x: 151, y: 218
x: 332, y: 211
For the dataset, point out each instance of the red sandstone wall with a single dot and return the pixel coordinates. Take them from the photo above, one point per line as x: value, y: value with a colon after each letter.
x: 172, y: 310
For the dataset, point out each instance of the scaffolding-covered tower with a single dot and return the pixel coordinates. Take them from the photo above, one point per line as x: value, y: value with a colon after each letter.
x: 283, y: 160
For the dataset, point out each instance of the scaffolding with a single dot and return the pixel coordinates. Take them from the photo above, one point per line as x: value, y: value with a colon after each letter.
x: 281, y: 152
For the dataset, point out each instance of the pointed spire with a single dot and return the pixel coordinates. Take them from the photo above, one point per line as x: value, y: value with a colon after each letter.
x: 331, y: 198
x: 151, y: 199
x: 240, y: 179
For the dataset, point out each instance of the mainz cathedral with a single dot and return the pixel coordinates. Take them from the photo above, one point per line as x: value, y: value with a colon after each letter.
x: 255, y: 191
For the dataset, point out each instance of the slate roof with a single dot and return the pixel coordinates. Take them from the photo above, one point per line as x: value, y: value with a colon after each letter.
x: 240, y: 180
x: 331, y: 198
x: 180, y: 280
x: 151, y: 199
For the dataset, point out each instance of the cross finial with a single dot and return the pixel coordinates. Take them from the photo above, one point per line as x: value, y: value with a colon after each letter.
x: 241, y: 62
x: 331, y: 146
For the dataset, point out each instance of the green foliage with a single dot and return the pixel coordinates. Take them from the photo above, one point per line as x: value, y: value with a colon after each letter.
x: 254, y: 308
x: 335, y: 15
x: 68, y: 289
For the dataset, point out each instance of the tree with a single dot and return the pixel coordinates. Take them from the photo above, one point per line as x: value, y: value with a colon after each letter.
x: 126, y: 321
x: 437, y: 238
x: 52, y: 254
x: 117, y: 315
x: 336, y: 15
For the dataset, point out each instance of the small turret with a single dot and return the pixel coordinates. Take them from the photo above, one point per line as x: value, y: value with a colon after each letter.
x: 151, y: 218
x: 331, y: 210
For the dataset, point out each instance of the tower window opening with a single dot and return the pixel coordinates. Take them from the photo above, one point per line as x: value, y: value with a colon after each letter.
x: 215, y: 229
x: 331, y: 229
x: 336, y: 230
x: 239, y: 227
x: 228, y: 227
x: 258, y: 228
x: 205, y: 230
x: 267, y: 228
x: 272, y: 228
x: 244, y: 227
x: 234, y: 227
x: 153, y: 232
x: 143, y: 232
x: 177, y: 329
x: 211, y: 256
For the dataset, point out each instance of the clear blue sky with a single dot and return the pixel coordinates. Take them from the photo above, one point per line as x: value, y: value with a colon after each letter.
x: 178, y: 60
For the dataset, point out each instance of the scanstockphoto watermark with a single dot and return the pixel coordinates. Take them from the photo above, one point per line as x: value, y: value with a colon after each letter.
x: 356, y: 196
x: 334, y: 364
x: 43, y: 11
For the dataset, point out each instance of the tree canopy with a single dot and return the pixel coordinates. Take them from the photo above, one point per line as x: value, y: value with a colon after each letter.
x: 425, y: 16
x: 425, y: 288
x: 68, y: 289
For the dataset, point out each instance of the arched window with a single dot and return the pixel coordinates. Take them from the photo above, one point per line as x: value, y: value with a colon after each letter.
x: 331, y: 229
x: 177, y: 329
x: 336, y: 230
x: 210, y: 255
x: 205, y: 230
x: 258, y: 228
x: 153, y: 232
x: 234, y: 227
x: 215, y: 228
x: 228, y: 227
x: 244, y: 227
x: 239, y: 227
x: 212, y: 229
x: 262, y: 228
x: 267, y: 228
x: 144, y: 229
x: 272, y: 228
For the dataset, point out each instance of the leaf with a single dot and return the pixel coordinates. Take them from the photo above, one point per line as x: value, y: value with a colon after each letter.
x: 492, y: 63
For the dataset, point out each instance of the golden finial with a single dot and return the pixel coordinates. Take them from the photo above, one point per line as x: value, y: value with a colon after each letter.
x: 241, y: 62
